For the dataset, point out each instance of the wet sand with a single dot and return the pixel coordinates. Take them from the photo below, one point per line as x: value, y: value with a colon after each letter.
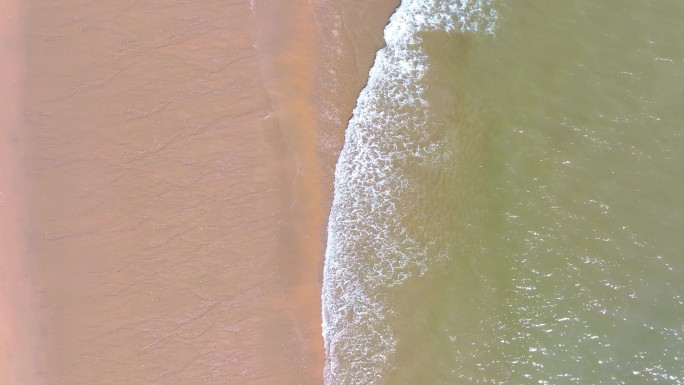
x: 178, y: 160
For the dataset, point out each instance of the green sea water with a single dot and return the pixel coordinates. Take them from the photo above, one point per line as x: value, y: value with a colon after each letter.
x: 540, y: 211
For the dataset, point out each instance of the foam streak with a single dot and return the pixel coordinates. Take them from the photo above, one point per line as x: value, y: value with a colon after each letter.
x: 369, y: 252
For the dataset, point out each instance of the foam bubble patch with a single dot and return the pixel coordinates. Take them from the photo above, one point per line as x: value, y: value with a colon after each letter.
x: 369, y: 251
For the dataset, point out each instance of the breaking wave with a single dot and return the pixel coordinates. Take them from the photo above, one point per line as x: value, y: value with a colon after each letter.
x: 369, y: 251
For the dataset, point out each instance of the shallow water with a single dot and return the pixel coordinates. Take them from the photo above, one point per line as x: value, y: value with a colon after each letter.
x: 507, y: 206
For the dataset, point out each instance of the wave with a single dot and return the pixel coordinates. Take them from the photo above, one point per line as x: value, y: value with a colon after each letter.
x: 369, y: 251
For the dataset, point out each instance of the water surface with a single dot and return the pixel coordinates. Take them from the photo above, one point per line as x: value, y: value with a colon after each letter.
x: 507, y: 206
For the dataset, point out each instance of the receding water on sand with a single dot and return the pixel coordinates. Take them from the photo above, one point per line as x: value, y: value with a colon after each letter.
x: 507, y: 202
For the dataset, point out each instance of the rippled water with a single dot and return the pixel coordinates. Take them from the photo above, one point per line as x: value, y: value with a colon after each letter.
x: 508, y: 202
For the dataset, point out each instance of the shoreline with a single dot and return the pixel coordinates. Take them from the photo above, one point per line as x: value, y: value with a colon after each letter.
x: 311, y: 114
x: 179, y: 183
x: 349, y: 37
x: 300, y: 70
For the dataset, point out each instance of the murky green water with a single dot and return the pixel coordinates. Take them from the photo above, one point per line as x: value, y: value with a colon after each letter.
x: 549, y: 214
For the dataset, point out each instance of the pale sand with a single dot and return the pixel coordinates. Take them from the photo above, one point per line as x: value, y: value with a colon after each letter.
x: 179, y: 163
x: 17, y: 348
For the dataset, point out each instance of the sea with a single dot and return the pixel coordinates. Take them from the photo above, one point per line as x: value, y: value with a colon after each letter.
x: 509, y: 201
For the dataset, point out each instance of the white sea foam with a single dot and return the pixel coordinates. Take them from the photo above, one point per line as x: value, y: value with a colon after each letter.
x: 368, y: 250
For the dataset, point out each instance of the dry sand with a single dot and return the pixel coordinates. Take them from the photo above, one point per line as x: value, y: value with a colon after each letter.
x: 178, y: 163
x: 16, y: 299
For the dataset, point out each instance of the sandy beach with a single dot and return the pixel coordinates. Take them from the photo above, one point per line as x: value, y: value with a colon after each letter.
x: 506, y: 204
x: 176, y: 163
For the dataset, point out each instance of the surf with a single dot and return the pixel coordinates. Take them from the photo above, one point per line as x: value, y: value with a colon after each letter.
x: 370, y: 252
